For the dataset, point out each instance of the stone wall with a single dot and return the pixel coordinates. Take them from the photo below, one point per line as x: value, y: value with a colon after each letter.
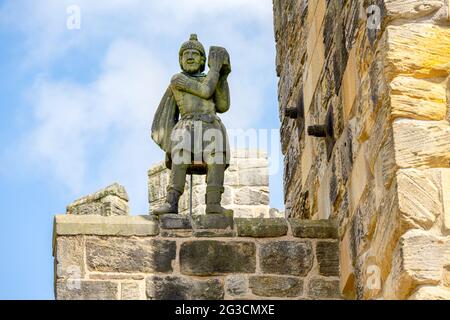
x: 380, y: 71
x: 246, y: 186
x: 136, y: 257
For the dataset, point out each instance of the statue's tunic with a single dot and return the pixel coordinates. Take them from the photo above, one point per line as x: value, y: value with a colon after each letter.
x: 190, y: 111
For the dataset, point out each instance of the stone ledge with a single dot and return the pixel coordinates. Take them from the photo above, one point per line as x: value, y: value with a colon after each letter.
x: 70, y: 225
x: 261, y: 227
x: 314, y: 229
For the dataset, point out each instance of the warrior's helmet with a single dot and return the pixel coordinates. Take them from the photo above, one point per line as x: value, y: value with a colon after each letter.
x: 193, y: 43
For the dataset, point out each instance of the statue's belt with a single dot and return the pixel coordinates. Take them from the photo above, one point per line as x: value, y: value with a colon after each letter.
x: 205, y: 117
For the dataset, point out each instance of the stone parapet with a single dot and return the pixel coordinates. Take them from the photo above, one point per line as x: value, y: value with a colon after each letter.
x: 139, y: 257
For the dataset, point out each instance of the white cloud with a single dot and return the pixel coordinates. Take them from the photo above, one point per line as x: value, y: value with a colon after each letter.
x: 89, y: 134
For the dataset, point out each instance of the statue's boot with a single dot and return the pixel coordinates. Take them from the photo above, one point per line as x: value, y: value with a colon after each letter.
x: 213, y: 198
x: 171, y: 205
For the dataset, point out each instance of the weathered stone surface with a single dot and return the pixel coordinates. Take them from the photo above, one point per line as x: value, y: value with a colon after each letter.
x: 210, y: 257
x: 86, y: 290
x: 117, y: 254
x: 115, y: 276
x: 69, y: 257
x: 214, y: 233
x: 254, y: 177
x: 212, y: 221
x: 445, y: 187
x: 431, y: 293
x: 175, y: 221
x: 275, y: 286
x: 418, y: 197
x: 236, y: 285
x: 397, y: 9
x: 105, y: 226
x: 359, y: 178
x: 322, y: 229
x: 387, y: 86
x: 251, y: 196
x: 111, y: 201
x: 319, y: 288
x: 347, y: 271
x: 328, y: 258
x: 286, y: 257
x: 420, y: 99
x: 176, y: 233
x: 183, y: 288
x: 418, y: 260
x: 350, y: 84
x: 130, y: 291
x: 422, y: 143
x: 419, y: 50
x: 261, y: 228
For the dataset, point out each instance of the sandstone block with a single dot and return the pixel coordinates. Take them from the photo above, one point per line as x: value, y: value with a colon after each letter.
x: 105, y: 226
x: 252, y: 163
x: 183, y: 288
x: 359, y: 179
x: 350, y: 84
x: 421, y: 143
x: 418, y: 197
x: 213, y: 221
x: 252, y: 196
x: 307, y: 157
x: 175, y: 221
x: 420, y: 99
x: 254, y: 177
x: 418, y: 260
x: 431, y: 293
x: 347, y: 283
x: 261, y: 227
x: 319, y: 288
x: 236, y: 285
x: 214, y: 233
x: 130, y: 291
x: 69, y: 257
x: 328, y: 258
x: 418, y: 49
x: 208, y: 257
x: 445, y: 187
x: 86, y: 290
x: 320, y: 229
x: 286, y: 257
x: 117, y: 254
x: 397, y: 9
x: 275, y: 286
x: 110, y: 201
x: 176, y: 233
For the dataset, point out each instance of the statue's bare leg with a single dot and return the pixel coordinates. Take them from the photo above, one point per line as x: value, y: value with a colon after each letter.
x: 215, y: 189
x: 174, y: 190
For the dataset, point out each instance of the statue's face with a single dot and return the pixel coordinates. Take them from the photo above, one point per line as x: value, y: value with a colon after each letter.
x: 191, y: 60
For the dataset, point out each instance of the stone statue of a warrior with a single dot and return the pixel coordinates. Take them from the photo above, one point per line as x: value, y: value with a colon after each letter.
x: 187, y: 128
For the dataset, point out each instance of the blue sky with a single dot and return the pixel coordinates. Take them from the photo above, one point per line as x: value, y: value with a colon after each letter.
x: 76, y: 107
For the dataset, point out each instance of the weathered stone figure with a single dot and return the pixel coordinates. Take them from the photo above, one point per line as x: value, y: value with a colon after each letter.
x: 187, y: 128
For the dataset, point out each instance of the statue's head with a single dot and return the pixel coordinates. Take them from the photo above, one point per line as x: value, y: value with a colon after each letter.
x: 192, y: 56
